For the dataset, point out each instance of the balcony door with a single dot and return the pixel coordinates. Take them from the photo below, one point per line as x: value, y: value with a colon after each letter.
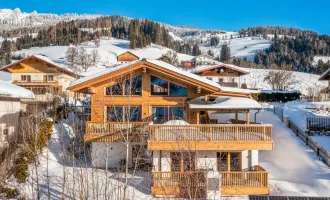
x: 229, y: 161
x: 182, y: 162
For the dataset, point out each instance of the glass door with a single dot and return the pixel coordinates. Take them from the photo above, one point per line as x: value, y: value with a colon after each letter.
x: 229, y: 161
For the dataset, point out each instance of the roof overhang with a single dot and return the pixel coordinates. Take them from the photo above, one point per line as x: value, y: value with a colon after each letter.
x: 223, y: 65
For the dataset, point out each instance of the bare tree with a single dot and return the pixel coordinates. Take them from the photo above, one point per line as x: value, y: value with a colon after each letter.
x: 280, y: 78
x: 71, y: 56
x: 84, y: 59
x: 173, y: 57
x: 95, y: 57
x: 97, y: 43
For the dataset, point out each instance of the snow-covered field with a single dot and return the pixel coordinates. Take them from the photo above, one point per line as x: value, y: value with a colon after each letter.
x: 109, y: 48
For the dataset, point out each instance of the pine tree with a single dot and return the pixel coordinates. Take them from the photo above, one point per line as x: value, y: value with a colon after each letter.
x: 224, y: 53
x: 196, y: 51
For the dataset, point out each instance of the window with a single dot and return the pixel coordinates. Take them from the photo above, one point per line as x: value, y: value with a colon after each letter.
x: 177, y: 113
x: 229, y: 161
x: 120, y: 113
x: 48, y: 78
x: 132, y: 114
x: 159, y: 115
x: 159, y: 86
x: 182, y: 161
x: 114, y: 114
x: 177, y: 90
x: 114, y: 90
x: 26, y: 78
x: 135, y: 88
x: 130, y: 89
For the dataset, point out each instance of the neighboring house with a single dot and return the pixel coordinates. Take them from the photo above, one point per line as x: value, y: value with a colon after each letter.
x: 42, y: 76
x: 188, y: 64
x: 204, y: 60
x: 225, y: 74
x: 326, y: 77
x: 167, y: 115
x: 126, y: 57
x: 10, y: 107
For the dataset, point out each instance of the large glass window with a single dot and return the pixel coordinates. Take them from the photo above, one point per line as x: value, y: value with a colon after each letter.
x: 135, y: 88
x: 114, y: 90
x: 132, y: 114
x: 177, y: 90
x: 159, y: 86
x: 177, y: 113
x: 114, y: 114
x: 159, y: 115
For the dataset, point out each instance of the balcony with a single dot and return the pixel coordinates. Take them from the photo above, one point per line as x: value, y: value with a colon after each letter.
x: 35, y: 82
x: 113, y: 131
x: 228, y: 84
x: 211, y: 137
x: 248, y: 182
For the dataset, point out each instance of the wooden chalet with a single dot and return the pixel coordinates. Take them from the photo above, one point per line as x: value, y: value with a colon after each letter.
x: 126, y: 57
x: 40, y: 75
x: 225, y: 74
x: 169, y: 113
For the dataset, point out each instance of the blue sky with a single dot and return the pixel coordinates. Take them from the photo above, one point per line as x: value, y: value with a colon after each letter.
x: 218, y: 14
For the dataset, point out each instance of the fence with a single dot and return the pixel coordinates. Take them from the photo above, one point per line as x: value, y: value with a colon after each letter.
x: 277, y: 111
x: 318, y: 124
x: 320, y: 151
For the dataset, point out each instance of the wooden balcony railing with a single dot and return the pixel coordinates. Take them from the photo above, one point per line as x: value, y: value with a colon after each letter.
x: 179, y: 184
x: 252, y: 181
x: 112, y: 130
x: 210, y: 136
x: 211, y: 132
x: 35, y: 82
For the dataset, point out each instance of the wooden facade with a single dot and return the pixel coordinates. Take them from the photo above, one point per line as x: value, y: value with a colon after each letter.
x: 40, y: 76
x: 166, y: 138
x: 127, y: 57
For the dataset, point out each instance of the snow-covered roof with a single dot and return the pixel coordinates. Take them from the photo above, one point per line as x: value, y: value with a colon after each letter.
x: 42, y: 58
x: 240, y: 90
x: 203, y: 68
x: 8, y: 89
x: 156, y: 62
x: 325, y: 75
x: 224, y: 103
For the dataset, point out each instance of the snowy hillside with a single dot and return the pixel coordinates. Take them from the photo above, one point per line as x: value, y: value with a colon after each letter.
x: 110, y: 48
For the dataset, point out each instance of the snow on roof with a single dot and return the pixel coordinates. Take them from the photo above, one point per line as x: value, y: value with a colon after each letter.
x: 325, y: 75
x: 14, y: 91
x: 240, y: 90
x: 225, y: 102
x: 156, y: 62
x: 46, y: 59
x: 207, y: 67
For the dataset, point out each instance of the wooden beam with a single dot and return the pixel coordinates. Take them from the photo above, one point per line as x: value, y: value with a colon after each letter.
x: 248, y: 117
x: 199, y: 89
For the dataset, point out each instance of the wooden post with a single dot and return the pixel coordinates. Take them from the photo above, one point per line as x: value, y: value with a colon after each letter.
x: 236, y: 116
x: 198, y: 117
x: 248, y: 117
x: 228, y: 161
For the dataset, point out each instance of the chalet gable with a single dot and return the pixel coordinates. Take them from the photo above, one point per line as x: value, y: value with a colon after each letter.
x: 127, y: 57
x: 145, y: 66
x: 36, y: 64
x: 220, y: 70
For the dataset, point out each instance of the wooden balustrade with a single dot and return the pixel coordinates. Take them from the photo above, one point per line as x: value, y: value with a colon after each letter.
x: 215, y: 132
x: 95, y: 131
x: 253, y: 181
x: 211, y: 137
x: 257, y: 177
x: 35, y: 82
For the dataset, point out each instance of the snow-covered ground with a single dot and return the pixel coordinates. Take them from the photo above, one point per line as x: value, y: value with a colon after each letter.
x: 294, y: 169
x: 240, y: 47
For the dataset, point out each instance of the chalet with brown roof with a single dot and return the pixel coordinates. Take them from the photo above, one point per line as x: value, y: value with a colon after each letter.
x: 126, y: 57
x: 162, y: 118
x: 40, y: 75
x: 225, y: 74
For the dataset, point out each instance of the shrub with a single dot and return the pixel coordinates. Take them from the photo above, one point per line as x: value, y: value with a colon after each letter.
x: 244, y: 86
x: 8, y: 192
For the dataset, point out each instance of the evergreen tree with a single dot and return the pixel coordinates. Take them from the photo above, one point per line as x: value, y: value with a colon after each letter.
x: 224, y: 53
x: 196, y: 51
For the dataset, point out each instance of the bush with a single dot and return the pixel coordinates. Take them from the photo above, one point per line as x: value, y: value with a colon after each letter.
x: 8, y: 192
x: 277, y: 96
x: 26, y: 156
x: 244, y: 86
